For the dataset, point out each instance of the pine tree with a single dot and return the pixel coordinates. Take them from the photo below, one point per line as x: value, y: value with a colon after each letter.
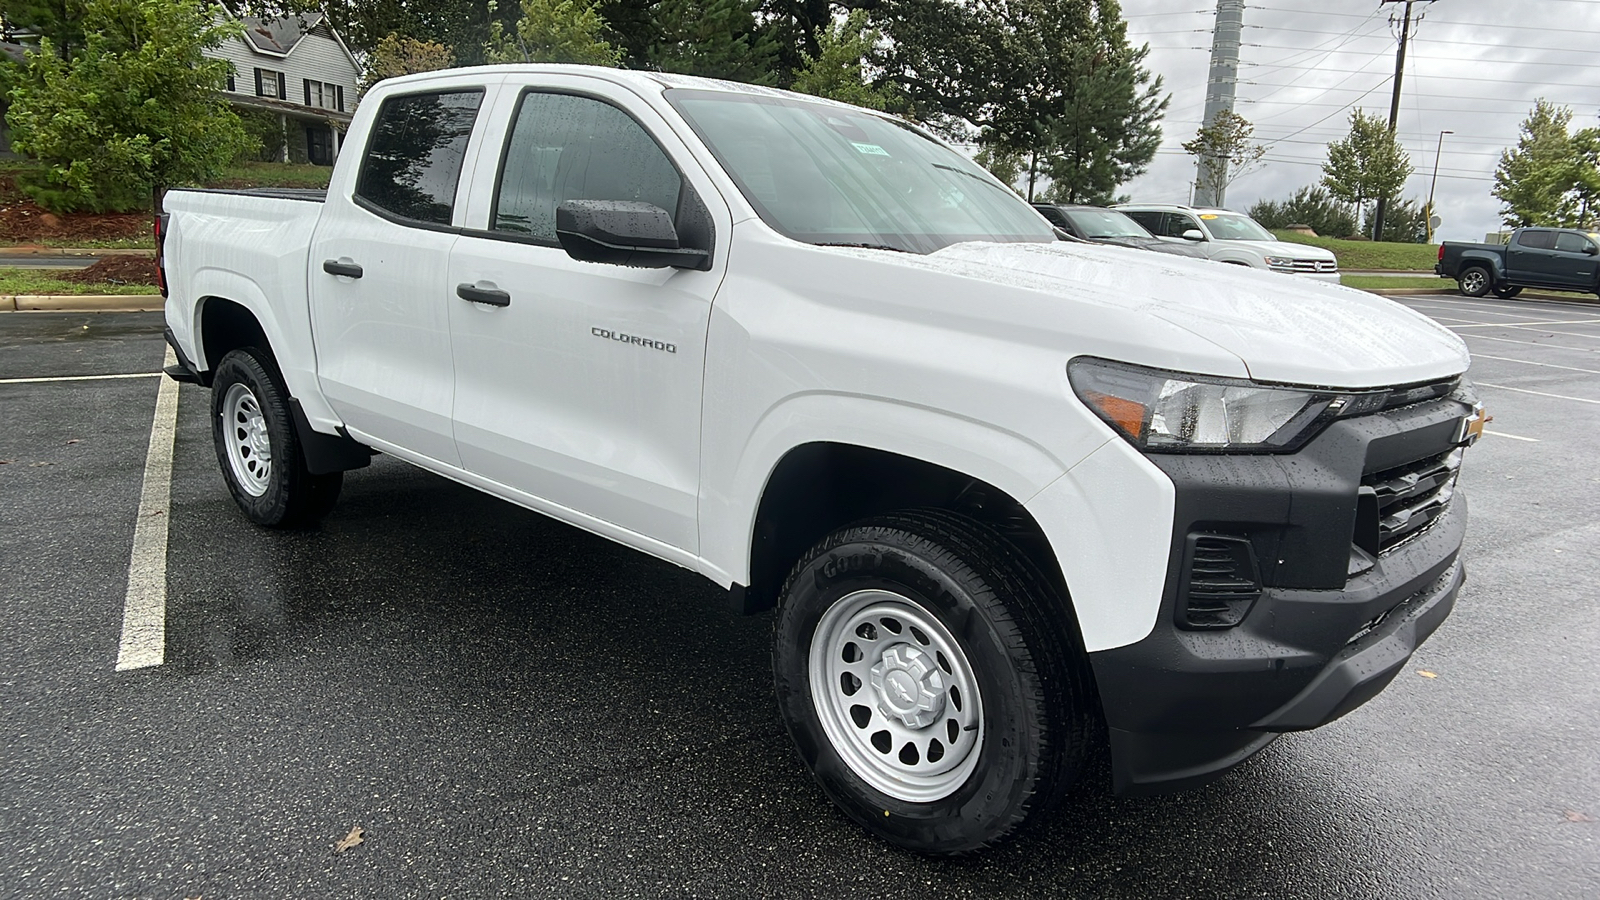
x: 717, y: 39
x: 552, y: 31
x: 838, y: 70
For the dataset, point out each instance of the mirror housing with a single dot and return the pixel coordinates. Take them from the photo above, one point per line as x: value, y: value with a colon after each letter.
x: 1591, y: 250
x: 624, y: 233
x: 1194, y: 234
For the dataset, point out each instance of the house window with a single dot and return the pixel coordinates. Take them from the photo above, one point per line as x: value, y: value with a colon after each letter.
x: 269, y: 83
x: 324, y: 95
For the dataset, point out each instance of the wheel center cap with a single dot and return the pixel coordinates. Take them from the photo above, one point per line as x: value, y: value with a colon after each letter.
x: 909, y: 686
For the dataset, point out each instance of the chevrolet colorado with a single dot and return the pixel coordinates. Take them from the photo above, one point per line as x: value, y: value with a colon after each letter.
x: 1016, y: 500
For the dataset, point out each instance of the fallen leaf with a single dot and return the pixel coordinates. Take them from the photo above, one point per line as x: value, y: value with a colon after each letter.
x: 74, y: 440
x: 350, y: 840
x: 1575, y: 816
x: 1426, y: 674
x: 38, y: 464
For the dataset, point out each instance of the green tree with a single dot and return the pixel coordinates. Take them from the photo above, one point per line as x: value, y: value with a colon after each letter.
x: 1055, y: 81
x: 1404, y: 222
x: 553, y: 31
x: 398, y: 55
x: 1310, y: 206
x: 1225, y: 149
x: 838, y: 69
x: 1008, y: 167
x: 716, y: 39
x: 457, y: 24
x: 138, y: 110
x: 59, y: 20
x: 1537, y: 182
x: 1586, y: 180
x: 1368, y: 165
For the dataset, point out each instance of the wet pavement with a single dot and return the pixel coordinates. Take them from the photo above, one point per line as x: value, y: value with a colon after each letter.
x: 512, y: 707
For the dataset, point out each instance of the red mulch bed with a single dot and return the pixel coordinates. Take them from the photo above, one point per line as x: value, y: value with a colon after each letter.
x: 23, y: 222
x: 116, y: 270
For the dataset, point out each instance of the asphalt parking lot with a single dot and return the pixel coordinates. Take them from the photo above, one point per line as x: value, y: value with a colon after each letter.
x: 511, y: 707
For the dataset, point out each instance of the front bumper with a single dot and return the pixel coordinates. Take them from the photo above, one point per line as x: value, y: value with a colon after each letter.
x: 1331, y: 627
x: 1326, y: 277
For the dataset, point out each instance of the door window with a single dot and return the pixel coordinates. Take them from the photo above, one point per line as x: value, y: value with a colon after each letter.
x: 566, y: 147
x: 414, y: 155
x: 1178, y: 223
x: 1571, y: 243
x: 1537, y: 240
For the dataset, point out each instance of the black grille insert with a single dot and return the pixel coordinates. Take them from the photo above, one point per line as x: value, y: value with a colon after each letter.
x: 1223, y: 581
x: 1400, y: 503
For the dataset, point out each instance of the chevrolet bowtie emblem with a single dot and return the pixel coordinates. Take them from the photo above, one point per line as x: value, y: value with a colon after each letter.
x: 1470, y: 428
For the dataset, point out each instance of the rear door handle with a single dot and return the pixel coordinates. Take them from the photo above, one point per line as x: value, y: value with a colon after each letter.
x: 335, y: 267
x: 483, y: 295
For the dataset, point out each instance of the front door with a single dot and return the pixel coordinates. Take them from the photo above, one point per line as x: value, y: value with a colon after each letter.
x: 379, y: 302
x: 580, y: 383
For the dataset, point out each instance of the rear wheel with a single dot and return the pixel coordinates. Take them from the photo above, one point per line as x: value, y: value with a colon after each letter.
x: 1474, y: 282
x: 257, y: 446
x: 929, y: 682
x: 1506, y: 293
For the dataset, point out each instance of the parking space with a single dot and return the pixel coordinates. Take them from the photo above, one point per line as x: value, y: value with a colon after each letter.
x: 512, y: 707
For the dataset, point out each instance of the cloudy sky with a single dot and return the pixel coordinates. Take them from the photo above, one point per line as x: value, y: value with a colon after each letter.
x: 1473, y: 67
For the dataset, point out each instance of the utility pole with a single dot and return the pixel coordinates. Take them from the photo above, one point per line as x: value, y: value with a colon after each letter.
x: 1210, y: 172
x: 1394, y: 100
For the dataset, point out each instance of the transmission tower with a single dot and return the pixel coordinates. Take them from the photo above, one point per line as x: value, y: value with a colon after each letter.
x: 1211, y: 171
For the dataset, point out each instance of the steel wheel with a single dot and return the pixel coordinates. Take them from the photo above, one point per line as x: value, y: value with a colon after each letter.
x: 248, y: 444
x: 896, y: 696
x: 1475, y: 282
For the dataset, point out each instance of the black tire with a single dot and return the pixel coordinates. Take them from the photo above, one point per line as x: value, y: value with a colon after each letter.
x: 1474, y: 281
x: 1034, y: 698
x: 278, y: 491
x: 1506, y: 293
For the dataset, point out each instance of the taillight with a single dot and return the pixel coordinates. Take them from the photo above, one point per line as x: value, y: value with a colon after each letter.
x: 1441, y: 252
x: 161, y: 268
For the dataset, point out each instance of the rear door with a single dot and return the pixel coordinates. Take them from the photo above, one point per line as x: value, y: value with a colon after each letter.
x: 1531, y: 256
x: 379, y: 302
x: 580, y: 384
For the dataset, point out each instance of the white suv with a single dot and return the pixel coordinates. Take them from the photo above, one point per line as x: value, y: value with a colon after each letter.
x: 1231, y: 237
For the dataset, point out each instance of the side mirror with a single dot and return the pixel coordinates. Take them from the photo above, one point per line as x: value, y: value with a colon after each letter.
x: 624, y: 233
x: 1194, y: 234
x: 1591, y: 249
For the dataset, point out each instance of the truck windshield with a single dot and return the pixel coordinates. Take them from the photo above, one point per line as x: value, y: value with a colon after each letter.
x: 835, y: 176
x: 1234, y: 227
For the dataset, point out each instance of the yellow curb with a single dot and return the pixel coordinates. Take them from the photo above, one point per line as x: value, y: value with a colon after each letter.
x: 82, y: 303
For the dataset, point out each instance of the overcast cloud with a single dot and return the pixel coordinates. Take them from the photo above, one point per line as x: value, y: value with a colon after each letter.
x: 1474, y: 67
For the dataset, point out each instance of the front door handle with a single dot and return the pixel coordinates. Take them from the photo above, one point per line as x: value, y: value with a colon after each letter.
x: 335, y: 267
x: 483, y: 295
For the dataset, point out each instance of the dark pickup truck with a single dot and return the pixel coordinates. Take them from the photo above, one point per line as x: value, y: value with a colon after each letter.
x: 1555, y: 258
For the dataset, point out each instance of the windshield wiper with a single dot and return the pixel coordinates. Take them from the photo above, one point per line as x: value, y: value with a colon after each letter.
x: 864, y: 246
x: 977, y: 178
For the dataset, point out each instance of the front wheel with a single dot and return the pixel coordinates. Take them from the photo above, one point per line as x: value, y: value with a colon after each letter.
x: 929, y: 681
x: 1506, y: 293
x: 1474, y: 282
x: 257, y: 446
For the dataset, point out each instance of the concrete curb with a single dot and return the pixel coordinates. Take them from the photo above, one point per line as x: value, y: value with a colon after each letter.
x: 25, y: 252
x: 82, y: 303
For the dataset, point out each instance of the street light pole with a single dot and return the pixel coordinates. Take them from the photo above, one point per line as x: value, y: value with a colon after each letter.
x: 1435, y: 182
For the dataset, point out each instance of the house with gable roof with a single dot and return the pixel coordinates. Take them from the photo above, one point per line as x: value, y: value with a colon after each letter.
x: 298, y: 69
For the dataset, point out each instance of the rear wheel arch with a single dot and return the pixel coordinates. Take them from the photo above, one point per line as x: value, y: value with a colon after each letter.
x: 224, y: 325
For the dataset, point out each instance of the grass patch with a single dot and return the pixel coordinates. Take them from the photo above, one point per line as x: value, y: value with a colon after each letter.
x: 267, y: 174
x: 1377, y: 282
x: 1371, y: 254
x: 46, y: 281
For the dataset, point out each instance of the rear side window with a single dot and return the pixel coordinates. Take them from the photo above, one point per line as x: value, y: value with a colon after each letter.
x: 566, y: 147
x: 1150, y: 220
x: 1571, y: 243
x: 1537, y: 240
x: 414, y: 154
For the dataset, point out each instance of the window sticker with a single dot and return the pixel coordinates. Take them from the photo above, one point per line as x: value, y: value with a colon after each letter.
x: 1208, y: 216
x: 869, y: 149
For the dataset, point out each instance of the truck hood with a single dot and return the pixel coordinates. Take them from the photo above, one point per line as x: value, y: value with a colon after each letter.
x: 1293, y: 251
x: 1282, y: 328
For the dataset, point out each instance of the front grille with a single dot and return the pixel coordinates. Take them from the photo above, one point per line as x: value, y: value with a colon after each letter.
x: 1419, y: 393
x: 1223, y: 581
x: 1315, y: 265
x: 1406, y: 499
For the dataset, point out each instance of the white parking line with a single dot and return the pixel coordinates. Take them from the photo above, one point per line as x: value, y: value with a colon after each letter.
x: 1485, y: 337
x: 1514, y: 437
x: 1532, y: 363
x: 1537, y: 393
x: 1531, y: 323
x: 77, y: 378
x: 144, y: 609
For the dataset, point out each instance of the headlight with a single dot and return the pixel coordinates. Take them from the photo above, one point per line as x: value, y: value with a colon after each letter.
x: 1170, y: 412
x: 1279, y: 262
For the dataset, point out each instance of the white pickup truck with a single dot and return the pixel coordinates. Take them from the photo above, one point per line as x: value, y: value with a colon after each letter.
x: 1017, y: 500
